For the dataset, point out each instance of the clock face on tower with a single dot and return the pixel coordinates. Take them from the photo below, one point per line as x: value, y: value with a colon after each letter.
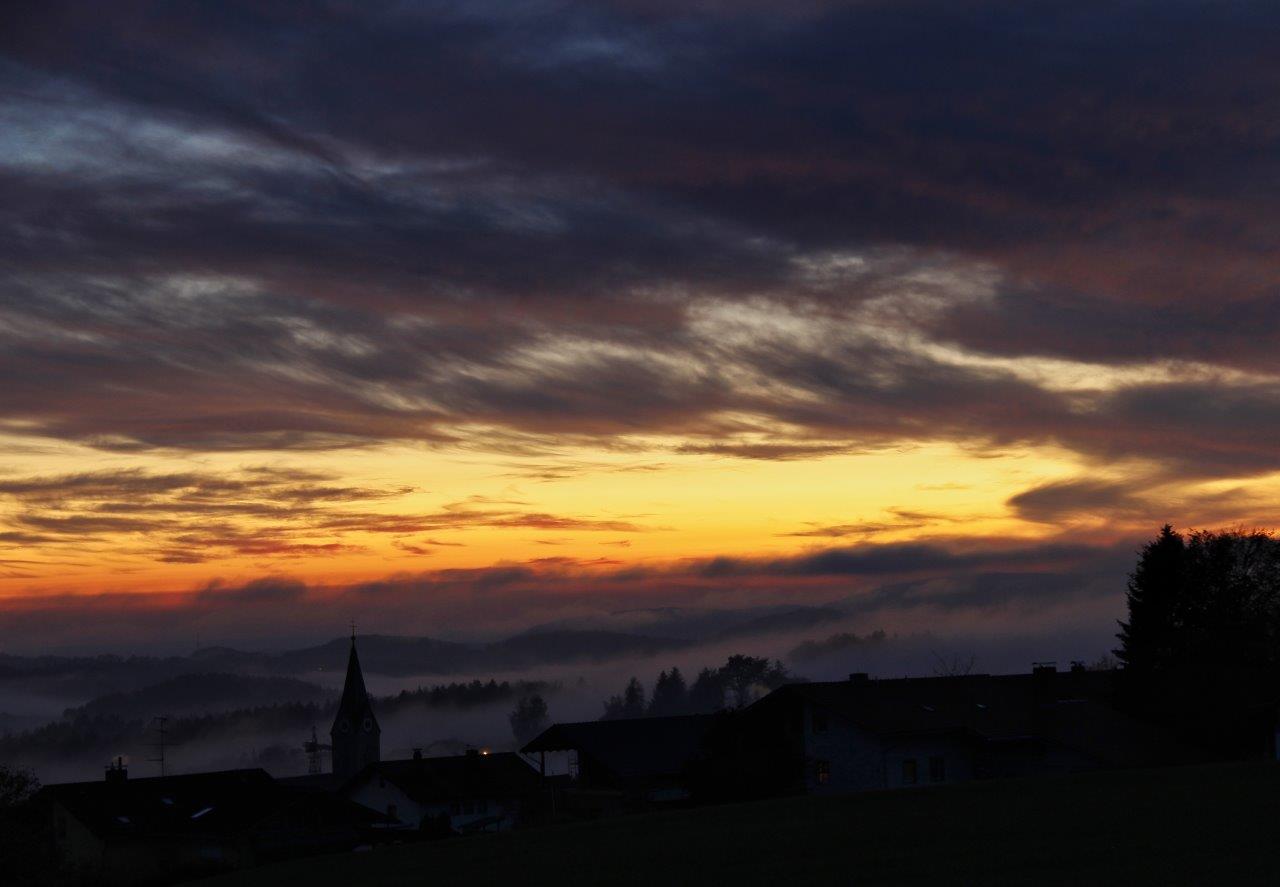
x: 344, y: 726
x: 368, y: 725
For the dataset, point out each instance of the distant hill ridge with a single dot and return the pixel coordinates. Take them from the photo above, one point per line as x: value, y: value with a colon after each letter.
x: 394, y: 655
x: 675, y: 629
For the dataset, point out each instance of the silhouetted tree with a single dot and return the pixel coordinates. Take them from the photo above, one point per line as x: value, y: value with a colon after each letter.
x: 633, y: 704
x: 1158, y: 603
x: 25, y: 846
x: 746, y: 676
x: 737, y: 683
x: 1201, y: 646
x: 953, y: 665
x: 707, y: 692
x: 529, y: 718
x: 629, y: 705
x: 612, y: 708
x: 670, y: 695
x: 1207, y: 600
x: 16, y: 786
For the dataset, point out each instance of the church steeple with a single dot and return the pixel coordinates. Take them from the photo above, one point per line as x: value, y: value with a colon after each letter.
x: 356, y: 735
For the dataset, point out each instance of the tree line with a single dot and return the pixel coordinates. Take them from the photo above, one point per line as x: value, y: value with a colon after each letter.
x: 1201, y: 644
x: 737, y: 683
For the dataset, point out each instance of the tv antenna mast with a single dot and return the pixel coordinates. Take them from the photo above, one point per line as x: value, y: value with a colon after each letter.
x: 315, y: 750
x: 161, y: 731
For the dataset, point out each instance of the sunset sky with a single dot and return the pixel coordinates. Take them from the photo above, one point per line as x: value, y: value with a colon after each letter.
x: 465, y: 317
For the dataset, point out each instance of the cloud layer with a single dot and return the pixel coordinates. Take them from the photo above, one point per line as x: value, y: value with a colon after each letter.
x: 732, y: 230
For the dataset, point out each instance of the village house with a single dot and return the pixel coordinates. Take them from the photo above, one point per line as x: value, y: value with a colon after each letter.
x: 131, y: 831
x: 619, y: 763
x: 861, y: 734
x: 459, y: 794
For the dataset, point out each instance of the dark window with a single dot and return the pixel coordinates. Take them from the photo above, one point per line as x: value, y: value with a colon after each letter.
x: 482, y: 806
x: 822, y: 771
x: 468, y: 808
x: 937, y: 769
x: 392, y: 813
x: 456, y: 808
x: 909, y: 776
x: 819, y: 722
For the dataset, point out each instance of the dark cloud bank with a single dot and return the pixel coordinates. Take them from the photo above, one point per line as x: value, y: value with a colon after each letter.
x: 979, y: 588
x: 233, y: 226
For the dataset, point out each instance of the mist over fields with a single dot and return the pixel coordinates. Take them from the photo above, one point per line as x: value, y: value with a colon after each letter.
x: 66, y: 716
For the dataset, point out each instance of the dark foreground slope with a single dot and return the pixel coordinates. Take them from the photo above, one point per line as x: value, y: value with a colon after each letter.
x: 1203, y: 825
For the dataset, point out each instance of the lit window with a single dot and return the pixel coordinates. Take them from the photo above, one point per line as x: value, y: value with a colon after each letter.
x: 822, y: 770
x: 909, y: 776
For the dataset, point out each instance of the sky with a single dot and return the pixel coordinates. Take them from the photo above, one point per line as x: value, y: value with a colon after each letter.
x: 458, y: 318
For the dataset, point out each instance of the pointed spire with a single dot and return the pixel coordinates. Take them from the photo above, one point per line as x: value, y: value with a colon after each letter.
x: 354, y: 706
x: 355, y: 730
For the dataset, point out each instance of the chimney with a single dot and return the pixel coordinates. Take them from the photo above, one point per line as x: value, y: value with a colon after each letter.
x: 417, y: 754
x: 1044, y: 680
x: 117, y: 772
x: 858, y: 677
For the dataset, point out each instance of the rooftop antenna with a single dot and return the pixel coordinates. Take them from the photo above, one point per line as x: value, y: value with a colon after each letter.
x: 315, y: 750
x: 161, y: 732
x: 353, y: 631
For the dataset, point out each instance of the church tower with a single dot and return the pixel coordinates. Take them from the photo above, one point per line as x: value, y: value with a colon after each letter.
x: 356, y: 735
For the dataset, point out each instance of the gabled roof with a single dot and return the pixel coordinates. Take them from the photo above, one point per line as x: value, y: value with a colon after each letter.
x: 354, y: 706
x: 994, y: 707
x: 632, y: 748
x: 457, y: 777
x: 1070, y: 709
x: 223, y: 802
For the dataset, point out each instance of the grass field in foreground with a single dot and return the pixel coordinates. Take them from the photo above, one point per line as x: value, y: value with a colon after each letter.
x: 1195, y: 825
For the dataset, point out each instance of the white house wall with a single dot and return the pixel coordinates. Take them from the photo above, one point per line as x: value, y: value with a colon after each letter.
x: 380, y: 794
x: 858, y: 760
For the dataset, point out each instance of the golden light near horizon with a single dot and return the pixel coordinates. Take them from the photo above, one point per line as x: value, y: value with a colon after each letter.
x: 652, y: 507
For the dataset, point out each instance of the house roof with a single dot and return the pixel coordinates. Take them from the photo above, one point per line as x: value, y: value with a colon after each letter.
x: 995, y: 707
x: 457, y: 777
x: 218, y: 803
x: 200, y: 803
x: 631, y: 748
x: 1071, y: 709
